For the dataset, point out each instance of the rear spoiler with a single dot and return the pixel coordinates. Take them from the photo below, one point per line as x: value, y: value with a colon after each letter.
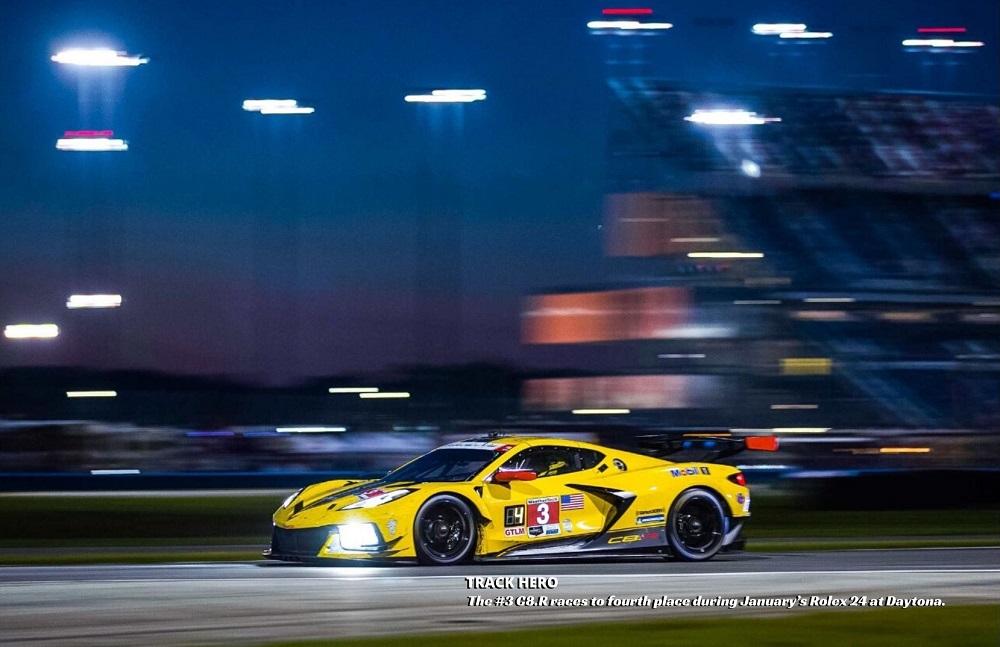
x: 716, y: 446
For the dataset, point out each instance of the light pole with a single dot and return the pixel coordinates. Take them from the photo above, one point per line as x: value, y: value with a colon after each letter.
x: 276, y: 316
x: 438, y: 311
x: 95, y: 226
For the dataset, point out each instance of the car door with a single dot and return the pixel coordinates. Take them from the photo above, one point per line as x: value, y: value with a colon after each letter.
x: 547, y: 507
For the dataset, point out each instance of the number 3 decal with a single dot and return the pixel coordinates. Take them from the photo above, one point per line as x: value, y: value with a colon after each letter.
x: 544, y: 511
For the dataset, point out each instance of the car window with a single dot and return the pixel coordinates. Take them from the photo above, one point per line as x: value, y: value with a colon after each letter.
x: 553, y: 460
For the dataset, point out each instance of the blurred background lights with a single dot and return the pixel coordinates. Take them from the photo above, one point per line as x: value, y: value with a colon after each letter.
x: 447, y: 96
x: 774, y: 29
x: 725, y: 255
x: 94, y: 301
x: 353, y: 389
x: 293, y: 110
x: 727, y: 117
x: 31, y: 331
x: 935, y: 43
x: 388, y: 395
x: 98, y: 57
x: 276, y: 107
x: 806, y: 35
x: 91, y: 394
x: 628, y: 25
x: 750, y: 168
x: 91, y: 144
x: 627, y: 11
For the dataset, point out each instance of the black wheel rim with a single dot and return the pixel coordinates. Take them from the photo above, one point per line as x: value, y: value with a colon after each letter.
x: 699, y: 525
x: 445, y: 531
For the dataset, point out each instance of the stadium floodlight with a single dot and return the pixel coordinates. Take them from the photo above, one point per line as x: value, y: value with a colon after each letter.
x: 353, y: 389
x: 806, y: 35
x: 294, y: 110
x: 91, y: 394
x: 628, y: 25
x: 277, y: 107
x: 939, y: 43
x: 255, y: 105
x: 76, y: 301
x: 388, y: 395
x: 90, y: 141
x: 476, y: 94
x: 775, y: 28
x: 727, y: 117
x: 750, y: 168
x: 447, y: 96
x: 31, y: 331
x: 98, y: 57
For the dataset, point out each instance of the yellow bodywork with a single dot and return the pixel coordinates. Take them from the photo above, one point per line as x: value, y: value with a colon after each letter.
x: 579, y: 511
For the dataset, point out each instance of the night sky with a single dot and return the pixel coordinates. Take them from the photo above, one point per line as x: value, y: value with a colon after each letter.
x: 374, y: 232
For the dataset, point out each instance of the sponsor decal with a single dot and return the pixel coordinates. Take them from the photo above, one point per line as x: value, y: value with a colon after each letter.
x: 367, y: 494
x: 571, y: 502
x: 632, y: 538
x: 503, y: 448
x: 513, y: 515
x: 391, y: 525
x: 543, y: 511
x: 478, y: 444
x: 620, y: 464
x: 704, y: 470
x: 649, y: 511
x: 514, y: 532
x: 551, y: 529
x: 684, y: 471
x: 650, y: 518
x: 535, y: 531
x: 567, y: 525
x: 740, y: 499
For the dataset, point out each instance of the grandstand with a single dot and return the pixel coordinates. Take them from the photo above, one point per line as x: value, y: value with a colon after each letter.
x: 874, y: 257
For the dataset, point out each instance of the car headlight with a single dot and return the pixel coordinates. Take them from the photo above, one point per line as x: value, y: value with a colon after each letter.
x: 377, y: 500
x: 291, y: 498
x: 358, y: 536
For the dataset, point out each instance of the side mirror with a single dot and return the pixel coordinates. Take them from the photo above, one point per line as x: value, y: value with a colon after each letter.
x: 506, y: 476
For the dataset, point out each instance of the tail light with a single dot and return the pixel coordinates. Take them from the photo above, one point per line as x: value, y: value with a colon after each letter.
x: 738, y: 479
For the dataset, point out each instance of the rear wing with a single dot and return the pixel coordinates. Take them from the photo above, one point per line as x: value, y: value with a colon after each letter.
x: 717, y: 447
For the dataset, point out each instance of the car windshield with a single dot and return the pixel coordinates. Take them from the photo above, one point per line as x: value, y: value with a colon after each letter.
x: 444, y: 464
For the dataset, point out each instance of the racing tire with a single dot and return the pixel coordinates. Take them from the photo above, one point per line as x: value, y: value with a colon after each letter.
x: 444, y: 531
x: 696, y: 525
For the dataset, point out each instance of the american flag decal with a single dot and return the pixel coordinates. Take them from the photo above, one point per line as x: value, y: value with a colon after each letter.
x: 571, y: 502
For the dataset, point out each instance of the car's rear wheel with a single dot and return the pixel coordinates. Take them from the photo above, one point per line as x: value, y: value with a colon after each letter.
x: 696, y: 525
x: 444, y: 531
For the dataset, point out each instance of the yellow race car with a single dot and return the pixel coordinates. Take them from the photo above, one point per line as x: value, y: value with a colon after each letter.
x: 514, y: 497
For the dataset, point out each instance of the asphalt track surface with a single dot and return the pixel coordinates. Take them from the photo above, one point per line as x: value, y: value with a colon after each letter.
x: 259, y: 602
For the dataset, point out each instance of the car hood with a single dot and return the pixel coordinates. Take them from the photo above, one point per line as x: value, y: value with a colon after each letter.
x: 316, y: 500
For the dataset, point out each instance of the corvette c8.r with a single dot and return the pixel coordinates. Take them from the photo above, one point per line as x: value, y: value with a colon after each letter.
x: 513, y: 497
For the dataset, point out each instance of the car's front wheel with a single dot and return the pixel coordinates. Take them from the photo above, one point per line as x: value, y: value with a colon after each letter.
x: 444, y: 531
x: 696, y: 525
